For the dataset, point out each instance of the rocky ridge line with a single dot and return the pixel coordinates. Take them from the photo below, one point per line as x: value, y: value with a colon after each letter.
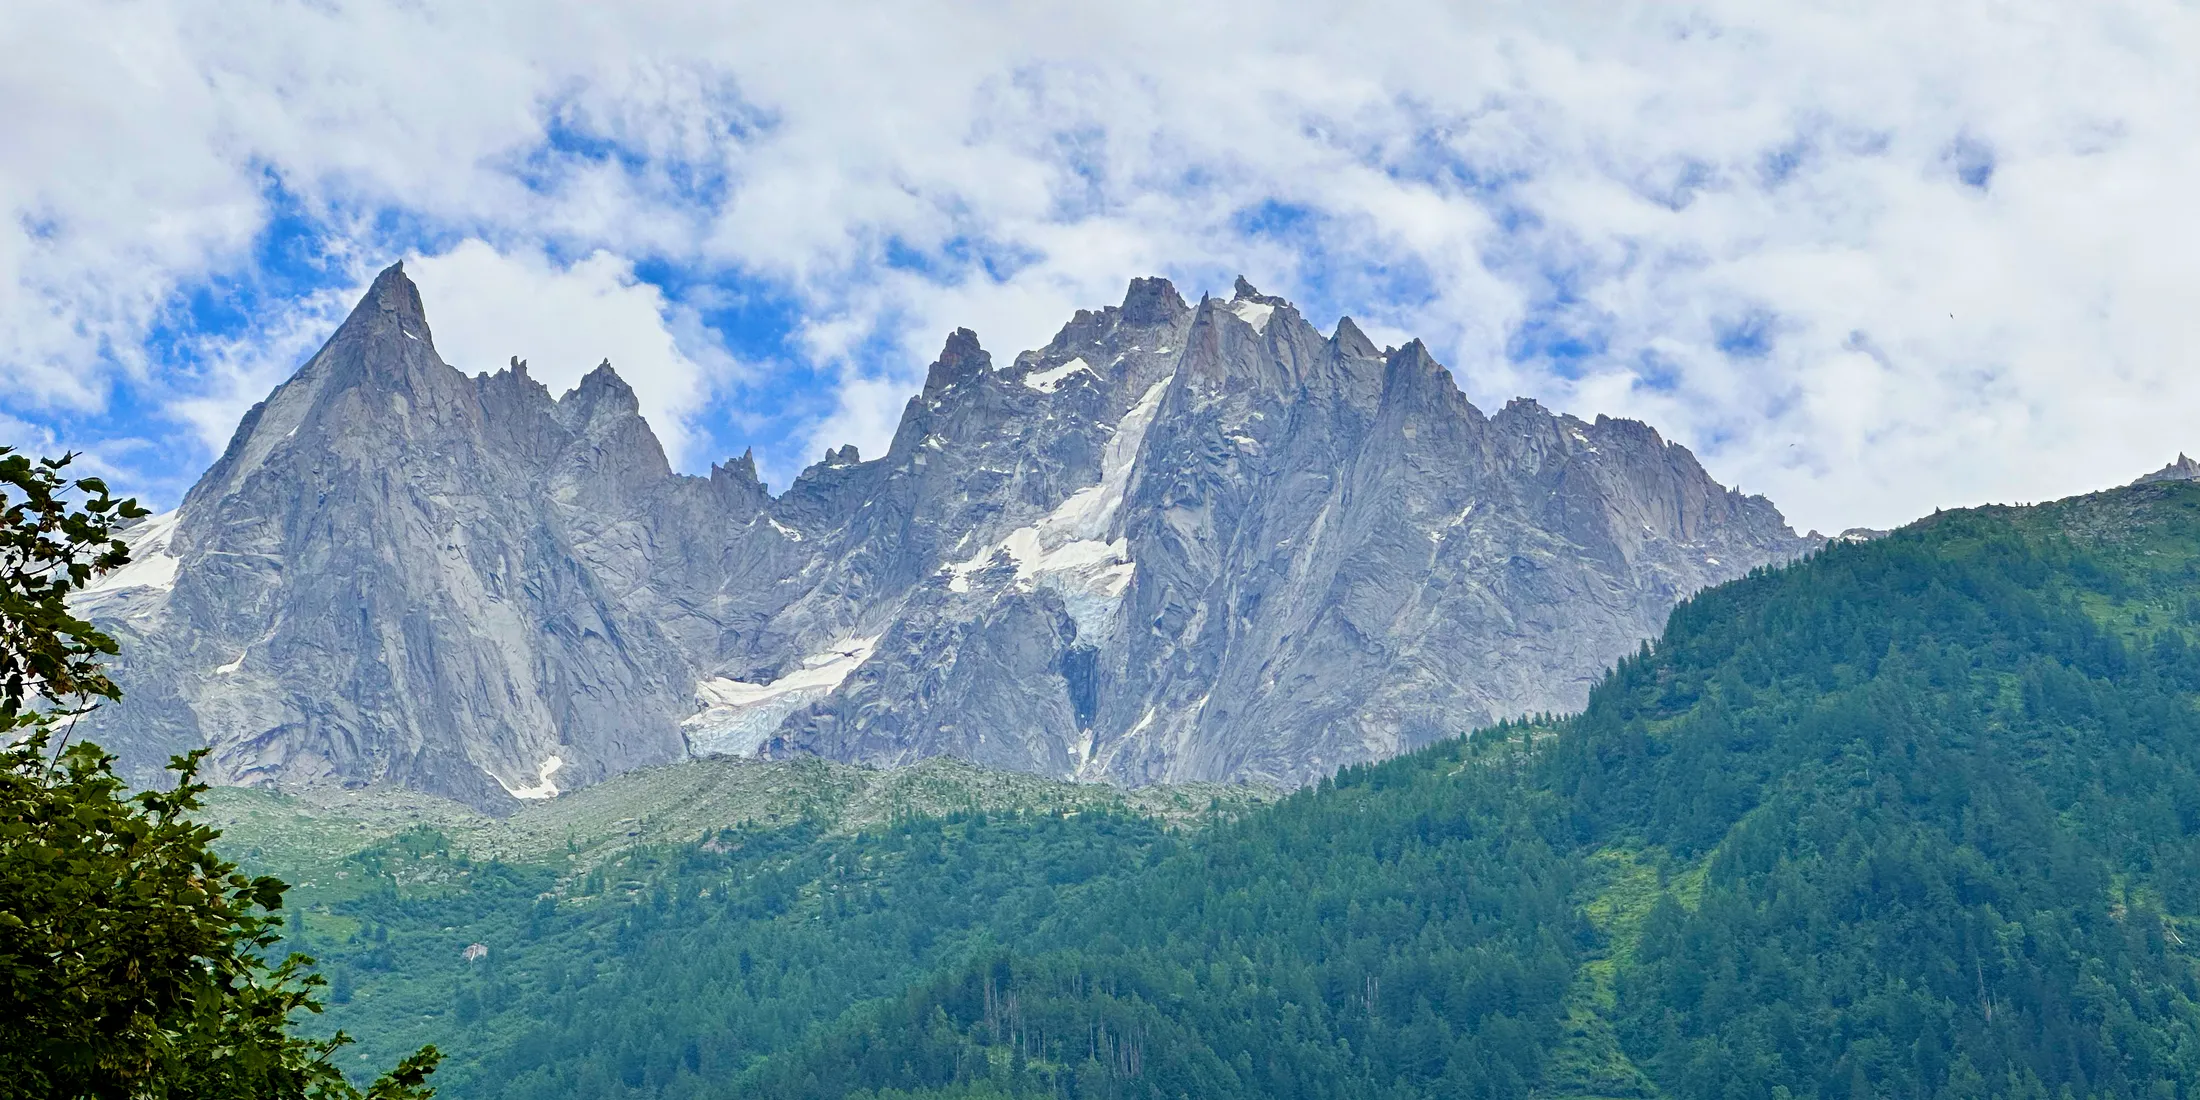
x: 1182, y: 542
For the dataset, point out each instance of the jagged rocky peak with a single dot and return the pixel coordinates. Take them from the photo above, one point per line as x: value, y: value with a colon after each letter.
x: 1251, y: 306
x: 398, y: 573
x: 1243, y: 585
x: 387, y: 340
x: 739, y: 471
x: 603, y: 384
x: 378, y: 370
x: 1414, y: 360
x: 2184, y: 469
x: 736, y: 482
x: 1176, y: 542
x: 1352, y: 343
x: 1154, y: 301
x: 960, y: 361
x: 1244, y: 291
x: 836, y: 458
x: 394, y: 301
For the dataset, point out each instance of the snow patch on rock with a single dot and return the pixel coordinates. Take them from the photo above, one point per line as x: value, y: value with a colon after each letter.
x: 1070, y: 550
x: 543, y: 787
x: 1047, y: 381
x: 1253, y: 313
x: 151, y: 565
x: 738, y: 716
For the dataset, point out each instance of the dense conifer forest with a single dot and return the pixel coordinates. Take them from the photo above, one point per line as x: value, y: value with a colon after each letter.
x: 1918, y: 817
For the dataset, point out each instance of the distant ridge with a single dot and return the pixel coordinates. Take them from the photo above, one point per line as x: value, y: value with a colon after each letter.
x: 2184, y: 469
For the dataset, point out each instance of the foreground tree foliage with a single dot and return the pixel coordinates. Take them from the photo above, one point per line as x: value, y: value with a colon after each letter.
x: 134, y: 961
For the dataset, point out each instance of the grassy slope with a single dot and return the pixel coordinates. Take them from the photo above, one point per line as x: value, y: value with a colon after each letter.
x: 308, y: 835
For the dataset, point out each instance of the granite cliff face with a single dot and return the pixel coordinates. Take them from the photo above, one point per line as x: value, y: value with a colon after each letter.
x: 1181, y: 542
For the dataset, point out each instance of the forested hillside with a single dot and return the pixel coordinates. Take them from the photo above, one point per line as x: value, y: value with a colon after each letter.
x: 1915, y: 817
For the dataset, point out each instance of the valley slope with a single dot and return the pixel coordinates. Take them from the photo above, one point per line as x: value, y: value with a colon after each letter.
x: 1917, y: 816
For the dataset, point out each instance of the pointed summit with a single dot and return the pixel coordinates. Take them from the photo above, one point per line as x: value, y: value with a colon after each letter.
x: 385, y: 343
x: 735, y: 480
x: 601, y: 393
x: 383, y: 348
x: 1250, y: 305
x: 1245, y: 291
x: 961, y: 360
x: 1352, y: 343
x: 742, y: 469
x: 1411, y: 369
x: 392, y: 299
x: 606, y: 379
x: 1153, y: 302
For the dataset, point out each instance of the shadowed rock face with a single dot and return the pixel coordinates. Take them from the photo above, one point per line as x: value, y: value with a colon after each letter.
x: 1178, y: 543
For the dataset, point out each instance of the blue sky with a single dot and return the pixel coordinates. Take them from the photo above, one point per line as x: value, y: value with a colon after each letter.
x: 1867, y: 258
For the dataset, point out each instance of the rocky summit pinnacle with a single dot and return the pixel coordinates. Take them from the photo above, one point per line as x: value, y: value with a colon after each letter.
x: 1178, y: 542
x: 2184, y: 469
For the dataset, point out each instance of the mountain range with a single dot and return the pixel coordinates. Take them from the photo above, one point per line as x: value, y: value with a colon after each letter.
x: 1181, y: 542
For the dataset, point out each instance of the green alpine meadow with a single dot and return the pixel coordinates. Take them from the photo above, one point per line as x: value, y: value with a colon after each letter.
x: 1917, y: 816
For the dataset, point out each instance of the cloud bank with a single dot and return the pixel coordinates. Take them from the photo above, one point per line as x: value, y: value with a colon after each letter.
x: 1866, y: 258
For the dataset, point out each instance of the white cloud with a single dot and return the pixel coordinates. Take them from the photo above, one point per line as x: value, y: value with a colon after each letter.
x: 110, y: 190
x: 1678, y: 167
x: 486, y: 306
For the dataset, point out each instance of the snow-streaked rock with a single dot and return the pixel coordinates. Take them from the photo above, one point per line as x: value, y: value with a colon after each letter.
x: 1177, y: 543
x: 151, y: 571
x: 1050, y: 379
